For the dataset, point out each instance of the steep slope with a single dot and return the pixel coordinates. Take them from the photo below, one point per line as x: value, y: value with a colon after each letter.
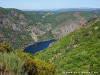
x: 79, y: 51
x: 21, y: 28
x: 62, y: 23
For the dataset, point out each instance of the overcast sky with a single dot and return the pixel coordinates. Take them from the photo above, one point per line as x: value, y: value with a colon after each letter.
x: 49, y: 4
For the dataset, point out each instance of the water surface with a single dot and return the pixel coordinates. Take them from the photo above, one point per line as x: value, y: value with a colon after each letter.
x: 38, y: 46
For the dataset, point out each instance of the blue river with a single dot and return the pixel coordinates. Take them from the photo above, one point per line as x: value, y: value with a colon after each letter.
x: 38, y: 46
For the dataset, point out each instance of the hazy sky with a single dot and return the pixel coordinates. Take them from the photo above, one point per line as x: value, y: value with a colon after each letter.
x: 49, y: 4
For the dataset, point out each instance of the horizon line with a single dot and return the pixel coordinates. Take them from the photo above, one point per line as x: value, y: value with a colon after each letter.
x: 53, y: 8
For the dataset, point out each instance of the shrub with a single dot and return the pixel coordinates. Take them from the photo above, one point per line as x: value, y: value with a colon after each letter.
x: 5, y: 47
x: 10, y: 64
x: 34, y: 66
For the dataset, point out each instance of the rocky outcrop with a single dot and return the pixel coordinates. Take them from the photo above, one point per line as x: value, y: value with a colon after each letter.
x: 21, y: 28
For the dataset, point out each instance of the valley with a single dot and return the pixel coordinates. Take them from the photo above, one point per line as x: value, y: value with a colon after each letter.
x: 57, y: 42
x: 21, y: 28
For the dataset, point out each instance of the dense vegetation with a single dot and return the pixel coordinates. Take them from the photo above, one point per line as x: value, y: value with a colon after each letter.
x: 19, y: 63
x: 16, y: 27
x: 21, y: 28
x: 79, y: 51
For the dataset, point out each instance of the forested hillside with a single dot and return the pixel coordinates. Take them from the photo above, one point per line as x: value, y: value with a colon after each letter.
x: 79, y: 51
x: 21, y: 28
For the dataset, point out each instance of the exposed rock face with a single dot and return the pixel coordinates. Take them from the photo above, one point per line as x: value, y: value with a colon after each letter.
x: 21, y: 28
x: 67, y: 28
x: 80, y: 18
x: 70, y: 26
x: 34, y: 36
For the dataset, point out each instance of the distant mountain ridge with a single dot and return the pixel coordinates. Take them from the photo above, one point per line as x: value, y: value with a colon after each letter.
x: 21, y: 28
x: 64, y: 9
